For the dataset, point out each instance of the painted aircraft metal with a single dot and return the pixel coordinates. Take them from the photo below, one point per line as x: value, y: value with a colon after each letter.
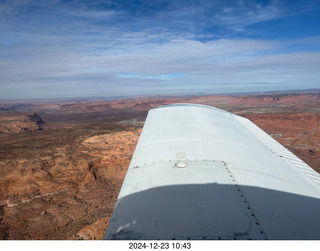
x: 199, y: 172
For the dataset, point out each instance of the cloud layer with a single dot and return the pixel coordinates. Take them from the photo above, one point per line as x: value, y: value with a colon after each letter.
x: 114, y: 48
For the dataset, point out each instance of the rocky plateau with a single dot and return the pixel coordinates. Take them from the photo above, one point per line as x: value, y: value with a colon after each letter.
x: 62, y: 162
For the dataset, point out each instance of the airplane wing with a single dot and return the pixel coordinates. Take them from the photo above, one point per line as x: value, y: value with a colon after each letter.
x: 203, y: 173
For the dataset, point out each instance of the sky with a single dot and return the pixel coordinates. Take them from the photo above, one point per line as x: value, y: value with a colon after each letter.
x: 107, y: 48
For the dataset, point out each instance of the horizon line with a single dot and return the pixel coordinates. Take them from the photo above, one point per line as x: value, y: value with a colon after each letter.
x: 168, y: 95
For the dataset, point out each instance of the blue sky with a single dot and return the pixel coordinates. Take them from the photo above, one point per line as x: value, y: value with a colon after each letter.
x: 54, y: 49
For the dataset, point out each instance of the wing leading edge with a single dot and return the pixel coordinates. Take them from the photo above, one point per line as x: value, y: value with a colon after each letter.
x: 203, y: 173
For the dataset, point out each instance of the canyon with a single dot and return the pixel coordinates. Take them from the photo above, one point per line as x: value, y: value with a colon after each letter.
x: 62, y: 162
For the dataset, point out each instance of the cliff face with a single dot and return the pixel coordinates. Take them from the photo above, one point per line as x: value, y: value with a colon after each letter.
x: 13, y: 122
x: 56, y: 183
x: 62, y: 182
x: 36, y: 118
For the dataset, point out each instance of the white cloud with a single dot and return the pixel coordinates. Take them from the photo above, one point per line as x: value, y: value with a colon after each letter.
x: 243, y: 14
x: 104, y: 50
x: 183, y: 64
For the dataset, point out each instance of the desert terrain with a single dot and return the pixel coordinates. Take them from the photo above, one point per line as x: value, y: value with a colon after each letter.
x: 62, y: 162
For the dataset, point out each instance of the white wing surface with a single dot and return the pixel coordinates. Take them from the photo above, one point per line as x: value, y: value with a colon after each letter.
x: 202, y: 173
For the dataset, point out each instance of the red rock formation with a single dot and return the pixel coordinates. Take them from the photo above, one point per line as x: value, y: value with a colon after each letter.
x: 63, y: 183
x: 13, y: 122
x: 57, y: 195
x: 300, y: 133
